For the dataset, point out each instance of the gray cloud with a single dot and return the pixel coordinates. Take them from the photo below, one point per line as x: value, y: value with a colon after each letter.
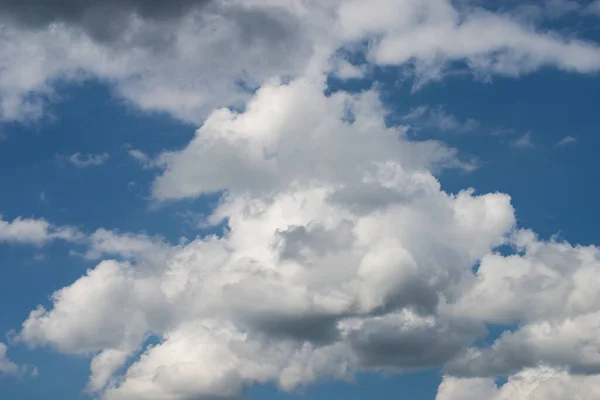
x: 103, y: 20
x: 409, y: 342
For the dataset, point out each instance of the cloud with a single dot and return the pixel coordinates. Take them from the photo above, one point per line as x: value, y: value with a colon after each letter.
x: 440, y: 120
x: 7, y: 367
x: 34, y: 231
x: 340, y: 251
x: 315, y: 270
x: 88, y: 160
x: 557, y: 329
x: 567, y: 140
x: 148, y: 41
x: 268, y: 147
x: 426, y: 34
x: 343, y: 69
x: 141, y: 59
x: 340, y: 254
x: 142, y: 158
x: 541, y: 383
x: 594, y: 7
x: 92, y: 15
x: 523, y: 142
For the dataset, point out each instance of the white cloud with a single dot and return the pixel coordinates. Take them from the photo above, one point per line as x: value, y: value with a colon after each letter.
x: 567, y: 140
x: 540, y: 383
x: 271, y: 144
x: 558, y: 282
x: 524, y: 142
x: 345, y: 70
x: 178, y: 65
x: 341, y: 252
x: 34, y: 231
x: 88, y: 160
x: 439, y: 119
x: 316, y: 270
x: 432, y: 33
x: 142, y: 158
x: 6, y: 366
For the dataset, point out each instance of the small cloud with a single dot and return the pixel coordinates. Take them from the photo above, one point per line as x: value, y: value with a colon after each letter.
x: 503, y: 132
x: 567, y: 140
x: 415, y: 113
x: 342, y: 69
x: 145, y: 161
x: 524, y: 142
x: 594, y: 8
x: 440, y: 120
x: 43, y: 196
x: 82, y: 161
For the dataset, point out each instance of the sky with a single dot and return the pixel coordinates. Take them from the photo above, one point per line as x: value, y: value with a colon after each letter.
x: 298, y: 199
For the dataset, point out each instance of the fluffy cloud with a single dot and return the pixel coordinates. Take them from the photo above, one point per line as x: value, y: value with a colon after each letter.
x: 34, y: 231
x: 340, y: 252
x: 557, y: 328
x: 340, y: 139
x: 338, y: 236
x: 171, y: 57
x: 540, y: 383
x: 6, y: 366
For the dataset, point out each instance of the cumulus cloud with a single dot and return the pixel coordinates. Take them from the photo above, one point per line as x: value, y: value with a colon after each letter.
x: 34, y: 231
x: 340, y: 251
x: 542, y: 383
x: 316, y: 269
x: 6, y: 366
x: 88, y: 160
x: 169, y: 57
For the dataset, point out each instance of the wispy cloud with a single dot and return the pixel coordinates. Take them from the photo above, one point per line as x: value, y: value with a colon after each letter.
x: 524, y: 142
x: 567, y: 140
x: 439, y: 119
x: 88, y: 160
x: 144, y: 159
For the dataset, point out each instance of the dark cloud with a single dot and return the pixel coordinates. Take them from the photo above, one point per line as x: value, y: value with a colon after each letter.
x: 298, y: 242
x: 103, y: 20
x: 320, y: 329
x: 397, y: 344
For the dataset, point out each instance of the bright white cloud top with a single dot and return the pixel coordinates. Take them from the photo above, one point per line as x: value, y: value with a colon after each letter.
x: 342, y: 251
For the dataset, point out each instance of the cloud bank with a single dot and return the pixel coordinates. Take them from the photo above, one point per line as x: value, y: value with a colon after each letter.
x: 341, y: 252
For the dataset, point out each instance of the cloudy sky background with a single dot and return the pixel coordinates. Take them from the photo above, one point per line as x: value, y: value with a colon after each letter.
x: 300, y: 199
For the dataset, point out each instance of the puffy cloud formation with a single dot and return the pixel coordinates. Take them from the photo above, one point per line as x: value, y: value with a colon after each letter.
x: 34, y: 231
x: 540, y: 383
x: 341, y: 252
x: 6, y: 366
x: 557, y: 328
x: 170, y: 56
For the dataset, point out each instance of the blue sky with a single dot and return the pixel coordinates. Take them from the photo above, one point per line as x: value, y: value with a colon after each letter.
x: 196, y: 213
